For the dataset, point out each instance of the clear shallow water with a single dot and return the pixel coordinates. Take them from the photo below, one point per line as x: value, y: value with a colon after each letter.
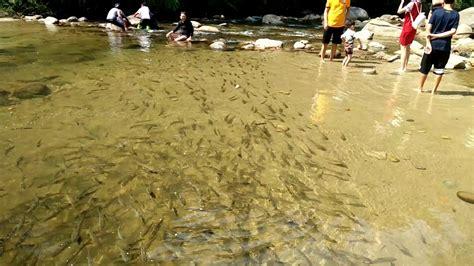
x: 147, y: 152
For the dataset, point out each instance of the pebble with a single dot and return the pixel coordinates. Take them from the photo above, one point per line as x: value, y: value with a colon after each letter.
x: 370, y: 71
x: 466, y: 196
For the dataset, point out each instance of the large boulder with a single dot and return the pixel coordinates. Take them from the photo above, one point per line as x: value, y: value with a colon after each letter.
x: 51, y: 21
x: 271, y: 19
x: 31, y: 90
x: 357, y: 13
x: 267, y: 43
x: 82, y: 19
x: 464, y: 47
x: 464, y: 31
x: 457, y: 62
x: 467, y: 17
x: 383, y: 28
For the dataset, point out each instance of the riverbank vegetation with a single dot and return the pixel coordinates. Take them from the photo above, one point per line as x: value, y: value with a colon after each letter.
x: 198, y: 8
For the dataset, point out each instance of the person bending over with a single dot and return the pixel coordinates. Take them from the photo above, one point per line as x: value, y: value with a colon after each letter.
x: 145, y: 18
x: 184, y: 30
x: 441, y: 27
x: 117, y: 17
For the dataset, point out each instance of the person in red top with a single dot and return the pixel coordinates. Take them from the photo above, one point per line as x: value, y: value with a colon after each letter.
x: 407, y: 36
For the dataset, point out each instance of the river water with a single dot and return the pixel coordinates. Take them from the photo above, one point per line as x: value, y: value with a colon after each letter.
x: 147, y: 152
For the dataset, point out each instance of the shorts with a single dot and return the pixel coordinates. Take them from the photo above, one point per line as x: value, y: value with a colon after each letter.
x: 335, y: 33
x: 117, y: 22
x: 437, y: 59
x: 407, y: 37
x: 349, y: 48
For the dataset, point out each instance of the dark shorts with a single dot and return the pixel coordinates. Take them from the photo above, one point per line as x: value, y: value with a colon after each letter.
x: 334, y: 33
x: 436, y: 59
x: 145, y: 23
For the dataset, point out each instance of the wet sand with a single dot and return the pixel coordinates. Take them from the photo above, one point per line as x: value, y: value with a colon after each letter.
x: 148, y: 152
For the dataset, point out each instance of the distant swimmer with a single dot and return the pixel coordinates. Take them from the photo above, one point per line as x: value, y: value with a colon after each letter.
x: 117, y: 17
x: 184, y: 30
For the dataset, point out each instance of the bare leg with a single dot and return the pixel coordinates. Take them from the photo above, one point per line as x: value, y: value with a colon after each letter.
x: 437, y: 82
x: 422, y: 81
x: 333, y: 52
x: 344, y: 61
x: 323, y: 51
x: 405, y: 53
x: 349, y: 58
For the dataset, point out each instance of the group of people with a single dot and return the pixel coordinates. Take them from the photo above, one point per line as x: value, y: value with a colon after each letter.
x: 183, y: 31
x: 442, y: 25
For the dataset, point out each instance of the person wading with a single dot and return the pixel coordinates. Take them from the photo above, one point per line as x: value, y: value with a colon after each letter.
x: 407, y: 36
x: 335, y: 15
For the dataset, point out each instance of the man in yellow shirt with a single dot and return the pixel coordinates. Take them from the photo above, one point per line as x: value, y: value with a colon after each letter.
x: 335, y: 15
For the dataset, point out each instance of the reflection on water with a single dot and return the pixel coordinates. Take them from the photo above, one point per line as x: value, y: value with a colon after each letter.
x: 194, y: 157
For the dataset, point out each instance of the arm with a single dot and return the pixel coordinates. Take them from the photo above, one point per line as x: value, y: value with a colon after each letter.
x: 401, y: 9
x: 325, y: 21
x: 445, y: 34
x: 346, y: 14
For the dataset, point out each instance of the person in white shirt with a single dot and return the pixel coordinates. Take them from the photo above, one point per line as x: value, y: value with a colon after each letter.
x: 144, y: 14
x: 349, y: 38
x: 117, y: 17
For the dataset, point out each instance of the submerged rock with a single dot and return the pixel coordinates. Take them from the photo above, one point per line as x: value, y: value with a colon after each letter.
x: 4, y: 98
x: 466, y: 196
x: 31, y: 90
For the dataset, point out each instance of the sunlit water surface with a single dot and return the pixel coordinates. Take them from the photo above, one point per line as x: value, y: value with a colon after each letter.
x: 150, y: 152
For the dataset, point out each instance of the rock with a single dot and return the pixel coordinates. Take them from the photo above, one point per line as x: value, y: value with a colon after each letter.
x: 63, y: 21
x: 466, y: 196
x: 464, y: 47
x: 308, y: 46
x: 72, y: 19
x: 113, y: 27
x: 51, y: 20
x: 267, y: 43
x: 35, y: 17
x: 219, y: 45
x: 464, y: 31
x: 416, y: 45
x: 364, y: 35
x: 248, y: 46
x: 218, y: 17
x: 299, y: 45
x: 282, y: 128
x: 223, y: 25
x: 379, y: 155
x: 392, y: 19
x: 371, y: 71
x: 196, y: 24
x: 392, y: 58
x: 360, y: 24
x: 4, y: 98
x: 311, y: 17
x: 383, y: 28
x: 457, y: 62
x: 8, y: 19
x: 31, y: 90
x: 271, y: 19
x: 208, y: 29
x: 381, y: 55
x: 254, y: 19
x: 375, y: 46
x: 467, y: 17
x: 82, y: 19
x: 357, y: 13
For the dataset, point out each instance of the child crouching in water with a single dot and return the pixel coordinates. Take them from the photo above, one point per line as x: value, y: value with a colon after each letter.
x: 349, y: 38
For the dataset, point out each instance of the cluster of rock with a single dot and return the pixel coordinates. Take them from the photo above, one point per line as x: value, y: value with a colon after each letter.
x: 54, y: 21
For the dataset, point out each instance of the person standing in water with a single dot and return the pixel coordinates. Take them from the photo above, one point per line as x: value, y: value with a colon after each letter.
x: 117, y: 17
x: 184, y: 30
x: 349, y: 38
x: 335, y: 15
x: 145, y: 18
x: 411, y: 11
x: 441, y: 27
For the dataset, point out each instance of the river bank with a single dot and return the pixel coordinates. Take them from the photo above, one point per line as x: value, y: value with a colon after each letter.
x: 149, y: 152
